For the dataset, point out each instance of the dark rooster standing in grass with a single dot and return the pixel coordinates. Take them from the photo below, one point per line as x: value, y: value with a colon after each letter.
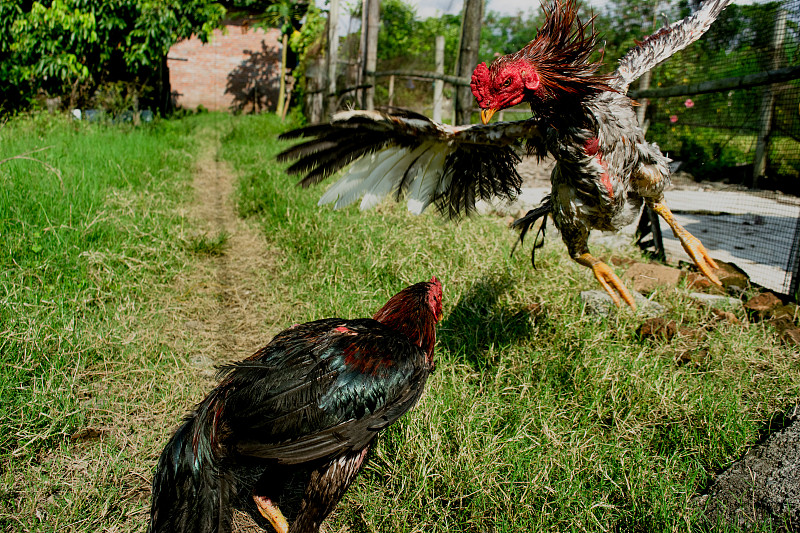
x: 287, y: 430
x: 605, y: 169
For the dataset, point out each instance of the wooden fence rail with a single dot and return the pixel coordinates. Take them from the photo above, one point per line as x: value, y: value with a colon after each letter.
x: 724, y: 84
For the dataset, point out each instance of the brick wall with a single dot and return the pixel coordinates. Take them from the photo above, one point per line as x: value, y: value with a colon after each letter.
x: 238, y: 70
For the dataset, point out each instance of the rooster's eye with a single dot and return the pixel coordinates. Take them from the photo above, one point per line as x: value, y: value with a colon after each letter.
x: 507, y: 82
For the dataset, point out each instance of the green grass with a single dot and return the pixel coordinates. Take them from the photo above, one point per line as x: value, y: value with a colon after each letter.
x: 90, y: 242
x: 548, y: 420
x: 537, y: 418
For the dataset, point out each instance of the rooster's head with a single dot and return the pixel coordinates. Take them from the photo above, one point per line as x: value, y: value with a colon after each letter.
x: 414, y: 311
x: 552, y: 67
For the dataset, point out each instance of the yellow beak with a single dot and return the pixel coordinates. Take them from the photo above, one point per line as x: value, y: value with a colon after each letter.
x: 486, y: 115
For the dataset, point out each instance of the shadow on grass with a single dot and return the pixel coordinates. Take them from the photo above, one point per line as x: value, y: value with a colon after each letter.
x: 481, y: 320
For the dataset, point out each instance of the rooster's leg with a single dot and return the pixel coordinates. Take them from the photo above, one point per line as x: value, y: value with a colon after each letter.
x: 690, y: 243
x: 610, y: 282
x: 270, y: 511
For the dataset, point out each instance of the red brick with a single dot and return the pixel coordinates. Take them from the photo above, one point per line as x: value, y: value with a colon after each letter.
x: 237, y: 68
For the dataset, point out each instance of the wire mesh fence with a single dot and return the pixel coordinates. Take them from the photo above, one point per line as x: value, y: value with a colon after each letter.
x: 741, y: 145
x: 725, y: 110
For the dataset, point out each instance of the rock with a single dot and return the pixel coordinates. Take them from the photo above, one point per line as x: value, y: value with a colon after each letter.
x: 647, y: 277
x: 658, y: 328
x: 791, y: 336
x: 787, y: 330
x: 598, y: 302
x: 698, y: 282
x: 695, y: 356
x: 788, y: 311
x: 762, y: 486
x: 732, y: 277
x: 716, y: 300
x: 725, y: 316
x: 761, y: 307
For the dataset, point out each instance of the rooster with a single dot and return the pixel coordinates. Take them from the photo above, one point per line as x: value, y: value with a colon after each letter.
x: 287, y: 430
x: 605, y: 169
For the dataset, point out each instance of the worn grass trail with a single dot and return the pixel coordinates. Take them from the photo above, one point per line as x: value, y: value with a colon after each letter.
x: 227, y: 302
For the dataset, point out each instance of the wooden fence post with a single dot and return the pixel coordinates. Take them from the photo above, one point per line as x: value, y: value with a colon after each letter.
x: 468, y: 57
x: 333, y: 55
x: 768, y: 101
x: 391, y: 90
x: 438, y: 85
x: 371, y: 62
x: 362, y: 53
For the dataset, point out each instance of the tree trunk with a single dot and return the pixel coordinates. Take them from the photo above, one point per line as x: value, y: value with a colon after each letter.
x: 371, y: 62
x: 468, y: 57
x: 333, y: 55
x: 438, y: 85
x: 282, y: 90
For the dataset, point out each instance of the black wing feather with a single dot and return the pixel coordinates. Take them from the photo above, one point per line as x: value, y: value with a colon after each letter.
x: 480, y: 160
x: 300, y: 398
x: 525, y: 223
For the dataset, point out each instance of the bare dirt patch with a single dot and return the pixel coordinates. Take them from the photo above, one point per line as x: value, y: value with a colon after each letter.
x: 226, y: 309
x: 226, y: 313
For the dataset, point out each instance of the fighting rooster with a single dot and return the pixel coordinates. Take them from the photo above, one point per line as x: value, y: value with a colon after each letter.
x: 287, y: 430
x: 605, y: 169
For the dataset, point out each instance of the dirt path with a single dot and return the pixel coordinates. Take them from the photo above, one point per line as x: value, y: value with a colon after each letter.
x: 229, y: 289
x: 227, y: 311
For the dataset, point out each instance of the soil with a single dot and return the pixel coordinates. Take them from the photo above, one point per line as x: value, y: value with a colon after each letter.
x: 226, y: 315
x: 227, y: 320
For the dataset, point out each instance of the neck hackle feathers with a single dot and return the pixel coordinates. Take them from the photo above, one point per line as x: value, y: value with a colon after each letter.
x: 554, y: 65
x: 414, y: 311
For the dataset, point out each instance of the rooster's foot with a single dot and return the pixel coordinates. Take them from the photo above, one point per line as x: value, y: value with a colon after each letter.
x: 270, y: 511
x: 610, y: 282
x: 690, y: 243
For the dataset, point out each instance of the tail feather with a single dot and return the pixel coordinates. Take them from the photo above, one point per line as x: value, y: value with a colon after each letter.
x: 190, y: 492
x: 525, y: 223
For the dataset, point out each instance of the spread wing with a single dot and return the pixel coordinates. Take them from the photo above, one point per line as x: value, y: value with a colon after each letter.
x: 320, y: 389
x: 666, y: 42
x: 404, y: 153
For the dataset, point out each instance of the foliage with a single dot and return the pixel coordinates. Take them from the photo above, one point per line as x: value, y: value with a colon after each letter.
x: 306, y: 43
x: 505, y: 34
x: 57, y: 46
x: 284, y: 14
x: 405, y: 41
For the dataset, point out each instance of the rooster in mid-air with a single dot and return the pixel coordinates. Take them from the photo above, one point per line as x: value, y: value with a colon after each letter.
x: 287, y: 430
x: 605, y: 169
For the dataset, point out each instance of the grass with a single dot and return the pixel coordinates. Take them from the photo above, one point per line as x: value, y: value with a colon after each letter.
x: 545, y: 420
x: 90, y: 243
x: 538, y: 416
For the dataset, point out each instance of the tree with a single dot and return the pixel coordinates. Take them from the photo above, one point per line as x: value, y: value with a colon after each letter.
x: 284, y: 14
x: 71, y: 47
